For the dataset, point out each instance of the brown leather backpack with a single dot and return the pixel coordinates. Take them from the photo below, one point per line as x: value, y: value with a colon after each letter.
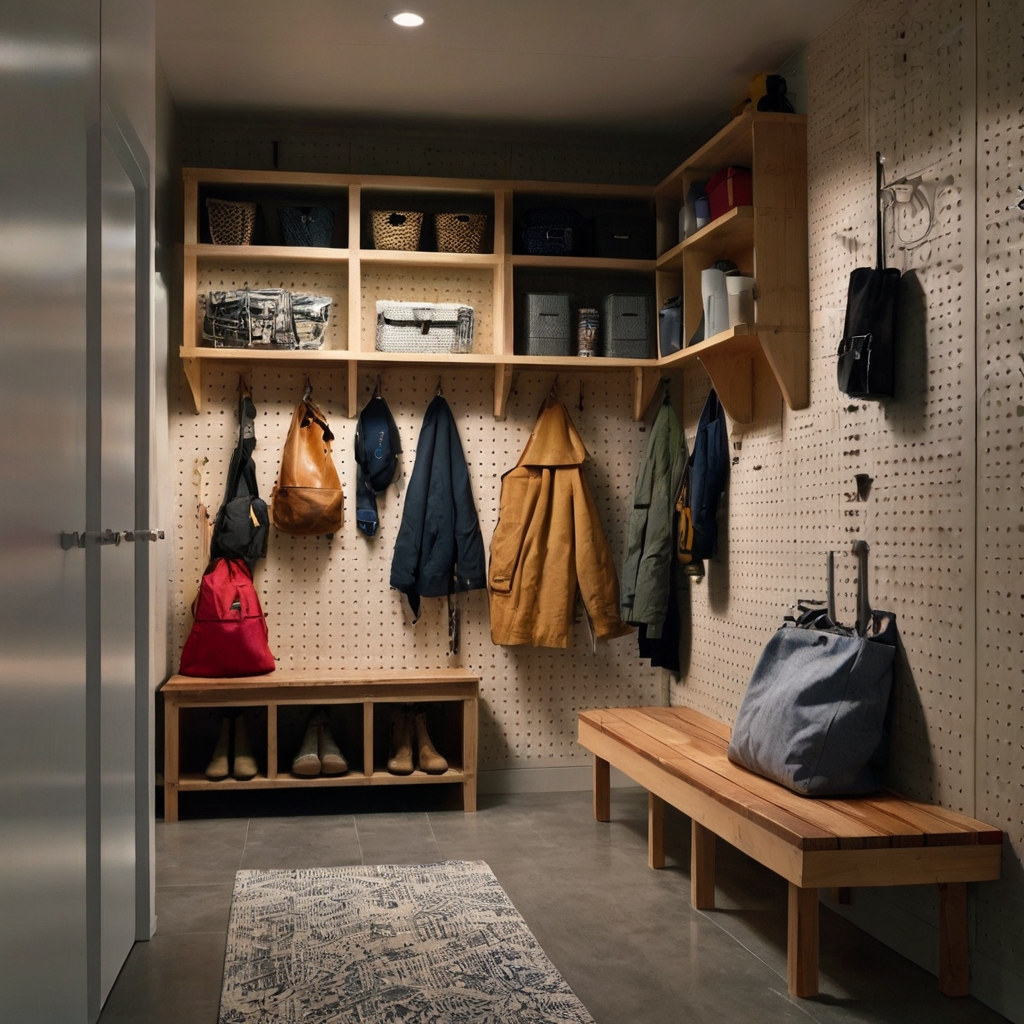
x: 307, y: 499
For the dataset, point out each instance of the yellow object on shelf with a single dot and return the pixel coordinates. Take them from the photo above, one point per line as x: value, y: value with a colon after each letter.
x: 758, y: 88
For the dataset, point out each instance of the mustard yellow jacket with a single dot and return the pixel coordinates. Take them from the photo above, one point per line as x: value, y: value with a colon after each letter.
x: 548, y: 543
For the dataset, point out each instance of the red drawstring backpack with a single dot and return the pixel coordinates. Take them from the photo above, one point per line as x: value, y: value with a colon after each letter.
x: 229, y: 635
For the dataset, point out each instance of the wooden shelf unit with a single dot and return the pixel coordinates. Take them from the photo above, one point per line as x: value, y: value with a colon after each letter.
x: 767, y: 240
x: 370, y: 695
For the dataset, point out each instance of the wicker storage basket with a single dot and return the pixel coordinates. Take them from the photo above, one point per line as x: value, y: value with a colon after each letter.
x: 396, y: 229
x: 231, y: 223
x: 434, y: 327
x: 460, y: 232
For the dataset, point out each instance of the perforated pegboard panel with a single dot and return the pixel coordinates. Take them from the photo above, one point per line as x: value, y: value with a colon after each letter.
x: 469, y: 154
x: 329, y: 279
x: 421, y: 284
x: 328, y: 601
x: 793, y: 494
x: 1000, y: 912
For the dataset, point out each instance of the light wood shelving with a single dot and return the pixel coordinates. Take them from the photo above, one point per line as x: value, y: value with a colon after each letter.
x: 750, y: 364
x: 767, y: 240
x: 369, y: 696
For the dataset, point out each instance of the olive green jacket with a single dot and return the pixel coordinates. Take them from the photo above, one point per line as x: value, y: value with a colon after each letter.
x: 650, y: 549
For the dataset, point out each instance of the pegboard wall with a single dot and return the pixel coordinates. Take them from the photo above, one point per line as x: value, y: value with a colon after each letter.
x: 945, y: 512
x: 328, y: 601
x: 629, y: 160
x: 1000, y: 560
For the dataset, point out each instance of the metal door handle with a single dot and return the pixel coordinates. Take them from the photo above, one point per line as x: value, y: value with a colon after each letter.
x: 143, y: 535
x: 72, y: 540
x: 106, y: 537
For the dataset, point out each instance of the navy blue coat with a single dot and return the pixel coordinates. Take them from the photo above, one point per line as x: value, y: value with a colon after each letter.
x: 439, y: 549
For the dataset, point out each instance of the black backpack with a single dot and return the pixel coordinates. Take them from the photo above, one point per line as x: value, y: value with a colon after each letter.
x: 242, y: 524
x: 866, y: 367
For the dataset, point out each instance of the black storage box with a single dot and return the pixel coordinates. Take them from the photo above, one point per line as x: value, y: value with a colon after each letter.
x: 628, y: 326
x: 553, y: 231
x: 624, y: 236
x: 547, y: 325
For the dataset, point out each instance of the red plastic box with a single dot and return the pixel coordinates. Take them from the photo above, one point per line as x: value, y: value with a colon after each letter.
x: 730, y: 188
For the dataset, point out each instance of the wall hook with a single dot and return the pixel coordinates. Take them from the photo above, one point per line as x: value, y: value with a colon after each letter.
x: 377, y: 388
x: 439, y: 390
x: 308, y: 391
x: 553, y: 393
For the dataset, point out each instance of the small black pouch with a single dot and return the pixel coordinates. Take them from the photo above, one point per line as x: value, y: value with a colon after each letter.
x: 866, y: 366
x: 867, y: 354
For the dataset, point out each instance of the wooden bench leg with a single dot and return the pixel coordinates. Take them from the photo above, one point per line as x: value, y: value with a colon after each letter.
x: 702, y: 867
x: 802, y: 947
x: 655, y: 831
x: 602, y: 790
x: 954, y: 963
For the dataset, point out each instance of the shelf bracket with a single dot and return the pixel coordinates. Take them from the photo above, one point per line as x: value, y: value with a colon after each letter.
x: 504, y: 379
x: 194, y: 375
x: 732, y: 377
x: 645, y: 387
x: 788, y: 355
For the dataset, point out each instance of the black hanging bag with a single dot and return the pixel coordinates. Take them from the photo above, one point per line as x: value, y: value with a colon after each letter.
x: 866, y: 367
x: 242, y: 524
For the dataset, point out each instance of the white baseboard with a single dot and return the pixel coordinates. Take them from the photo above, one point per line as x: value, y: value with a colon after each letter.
x: 568, y: 778
x: 992, y: 983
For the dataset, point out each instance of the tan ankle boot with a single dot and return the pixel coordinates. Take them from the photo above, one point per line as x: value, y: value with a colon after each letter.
x: 332, y: 761
x: 218, y: 766
x: 400, y: 759
x: 307, y: 760
x: 244, y: 764
x: 429, y: 760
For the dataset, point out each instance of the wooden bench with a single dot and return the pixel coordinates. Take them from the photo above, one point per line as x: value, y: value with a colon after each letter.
x: 679, y: 757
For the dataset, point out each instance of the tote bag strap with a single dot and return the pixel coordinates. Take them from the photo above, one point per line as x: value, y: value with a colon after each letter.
x: 242, y: 469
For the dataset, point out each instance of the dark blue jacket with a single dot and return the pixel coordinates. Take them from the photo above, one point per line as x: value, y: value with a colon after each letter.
x: 439, y: 549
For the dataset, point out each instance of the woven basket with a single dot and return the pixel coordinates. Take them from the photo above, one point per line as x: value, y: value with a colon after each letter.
x: 396, y: 229
x: 231, y: 223
x: 460, y: 232
x: 435, y: 327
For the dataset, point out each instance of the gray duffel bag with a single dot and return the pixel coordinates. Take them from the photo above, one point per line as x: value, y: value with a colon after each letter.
x: 815, y: 714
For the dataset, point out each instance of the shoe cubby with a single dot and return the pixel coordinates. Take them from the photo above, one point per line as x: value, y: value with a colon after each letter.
x: 445, y: 727
x: 345, y: 722
x: 276, y: 710
x: 200, y: 731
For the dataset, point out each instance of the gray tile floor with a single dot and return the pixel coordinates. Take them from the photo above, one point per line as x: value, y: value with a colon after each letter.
x: 623, y: 936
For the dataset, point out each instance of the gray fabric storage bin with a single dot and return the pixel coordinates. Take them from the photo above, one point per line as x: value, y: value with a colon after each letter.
x: 628, y: 326
x: 547, y: 325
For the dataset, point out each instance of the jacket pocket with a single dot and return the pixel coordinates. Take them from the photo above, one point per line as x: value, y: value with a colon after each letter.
x: 507, y: 542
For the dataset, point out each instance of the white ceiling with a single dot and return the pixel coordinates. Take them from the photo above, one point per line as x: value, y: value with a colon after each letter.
x: 619, y: 65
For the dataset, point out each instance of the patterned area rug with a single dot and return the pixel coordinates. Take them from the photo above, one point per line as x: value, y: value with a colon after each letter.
x: 393, y: 944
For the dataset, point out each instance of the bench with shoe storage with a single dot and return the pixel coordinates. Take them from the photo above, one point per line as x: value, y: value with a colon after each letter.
x: 679, y: 757
x: 292, y: 729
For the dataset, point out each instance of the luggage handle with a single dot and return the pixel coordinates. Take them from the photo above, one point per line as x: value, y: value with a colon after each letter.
x: 860, y: 550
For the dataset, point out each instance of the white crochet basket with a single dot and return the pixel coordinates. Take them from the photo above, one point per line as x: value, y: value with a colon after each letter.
x: 434, y: 327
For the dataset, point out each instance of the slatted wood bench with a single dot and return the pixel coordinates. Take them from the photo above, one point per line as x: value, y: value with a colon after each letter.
x: 679, y: 757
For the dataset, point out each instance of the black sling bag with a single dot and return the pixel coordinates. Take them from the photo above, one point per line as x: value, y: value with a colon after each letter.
x: 866, y: 367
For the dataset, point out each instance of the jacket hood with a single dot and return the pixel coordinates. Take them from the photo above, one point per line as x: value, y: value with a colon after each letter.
x: 555, y: 440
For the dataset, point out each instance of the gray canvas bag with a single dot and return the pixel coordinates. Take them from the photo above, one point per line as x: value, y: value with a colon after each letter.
x: 815, y: 715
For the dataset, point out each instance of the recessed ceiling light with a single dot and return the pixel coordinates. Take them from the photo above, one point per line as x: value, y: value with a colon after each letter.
x: 406, y: 19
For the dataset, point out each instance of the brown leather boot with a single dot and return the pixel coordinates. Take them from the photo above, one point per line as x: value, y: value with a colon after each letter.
x: 429, y: 760
x: 218, y: 767
x: 400, y: 758
x: 243, y: 765
x: 332, y: 761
